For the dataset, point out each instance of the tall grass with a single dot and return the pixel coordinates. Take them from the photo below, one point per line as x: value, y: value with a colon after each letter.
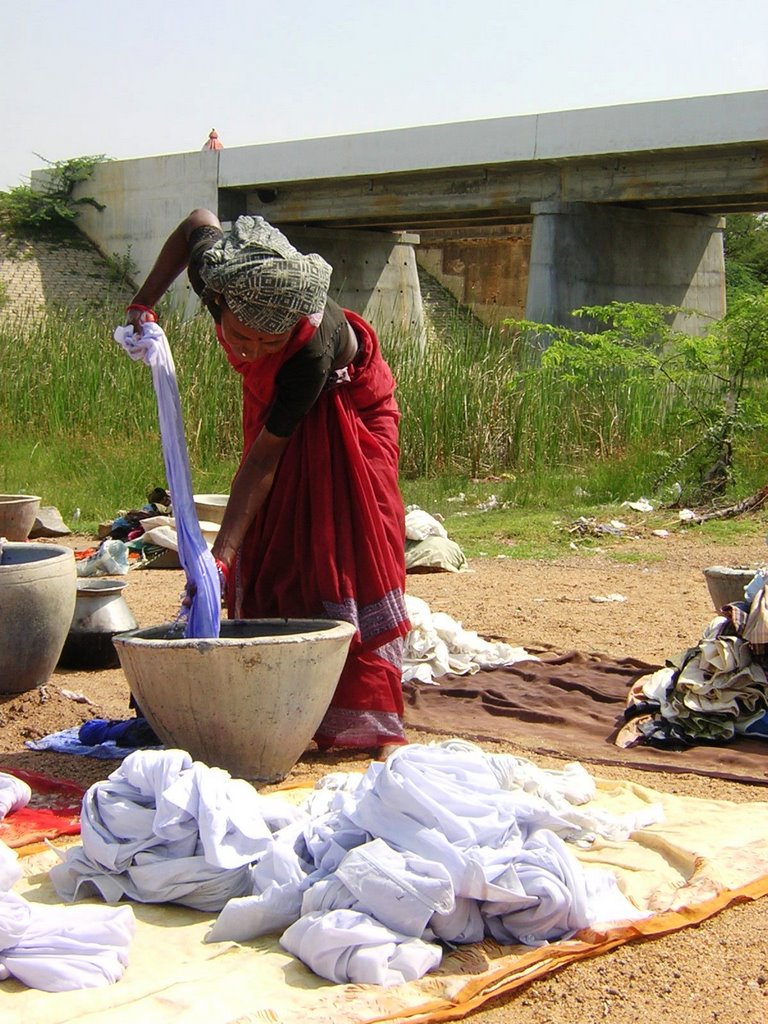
x: 65, y: 376
x: 475, y: 403
x: 79, y: 419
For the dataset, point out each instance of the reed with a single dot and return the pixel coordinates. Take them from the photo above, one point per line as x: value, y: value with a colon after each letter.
x: 79, y: 419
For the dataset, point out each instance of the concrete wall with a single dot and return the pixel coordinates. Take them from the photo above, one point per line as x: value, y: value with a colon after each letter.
x: 485, y: 269
x: 144, y: 201
x: 585, y: 254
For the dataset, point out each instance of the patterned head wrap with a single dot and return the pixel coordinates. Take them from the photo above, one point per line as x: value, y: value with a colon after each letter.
x: 266, y: 283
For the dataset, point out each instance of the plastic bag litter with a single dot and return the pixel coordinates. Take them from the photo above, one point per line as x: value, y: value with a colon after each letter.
x: 420, y: 524
x: 110, y: 560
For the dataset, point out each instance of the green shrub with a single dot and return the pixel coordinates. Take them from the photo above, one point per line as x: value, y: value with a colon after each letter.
x: 52, y: 208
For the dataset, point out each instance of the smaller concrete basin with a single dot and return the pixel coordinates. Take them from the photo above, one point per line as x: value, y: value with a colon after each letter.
x: 17, y: 515
x: 210, y: 507
x: 250, y: 700
x: 726, y: 583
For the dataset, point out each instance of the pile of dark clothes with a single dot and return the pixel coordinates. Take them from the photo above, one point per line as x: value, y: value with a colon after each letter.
x: 132, y: 733
x: 712, y: 693
x: 128, y: 526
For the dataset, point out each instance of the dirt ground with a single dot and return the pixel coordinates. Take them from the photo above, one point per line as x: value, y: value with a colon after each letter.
x: 714, y: 972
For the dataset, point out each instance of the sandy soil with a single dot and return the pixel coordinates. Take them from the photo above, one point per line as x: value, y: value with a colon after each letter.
x: 715, y: 972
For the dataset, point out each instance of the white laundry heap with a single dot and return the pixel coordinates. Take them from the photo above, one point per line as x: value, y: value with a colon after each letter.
x: 373, y: 873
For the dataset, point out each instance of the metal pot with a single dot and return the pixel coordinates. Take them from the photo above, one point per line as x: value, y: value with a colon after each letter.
x: 100, y: 613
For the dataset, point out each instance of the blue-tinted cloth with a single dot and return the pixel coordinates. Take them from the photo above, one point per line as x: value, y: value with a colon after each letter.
x: 68, y: 742
x: 130, y: 732
x: 151, y: 346
x: 759, y: 728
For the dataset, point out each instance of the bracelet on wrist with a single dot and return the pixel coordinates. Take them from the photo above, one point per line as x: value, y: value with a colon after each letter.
x: 148, y: 315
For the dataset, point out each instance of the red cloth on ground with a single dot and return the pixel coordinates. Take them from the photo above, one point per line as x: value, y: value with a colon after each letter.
x: 330, y: 538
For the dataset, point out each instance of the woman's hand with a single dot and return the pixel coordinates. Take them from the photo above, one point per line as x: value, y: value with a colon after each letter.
x: 136, y: 315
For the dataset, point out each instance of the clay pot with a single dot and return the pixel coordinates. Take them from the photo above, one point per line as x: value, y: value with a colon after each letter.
x: 37, y: 599
x: 100, y: 612
x: 248, y: 701
x: 17, y: 515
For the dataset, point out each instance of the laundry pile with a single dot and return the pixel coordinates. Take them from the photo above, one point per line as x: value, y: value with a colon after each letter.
x: 129, y: 525
x: 374, y: 874
x: 713, y: 692
x: 437, y: 645
x: 428, y: 548
x: 50, y: 948
x: 57, y: 949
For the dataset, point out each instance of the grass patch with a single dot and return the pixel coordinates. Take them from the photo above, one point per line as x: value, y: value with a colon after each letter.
x: 508, y: 455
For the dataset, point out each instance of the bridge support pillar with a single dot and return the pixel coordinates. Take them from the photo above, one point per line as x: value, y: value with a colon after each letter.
x: 584, y: 254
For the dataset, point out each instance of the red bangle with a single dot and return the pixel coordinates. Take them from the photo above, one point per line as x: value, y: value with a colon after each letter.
x: 148, y: 315
x: 223, y: 569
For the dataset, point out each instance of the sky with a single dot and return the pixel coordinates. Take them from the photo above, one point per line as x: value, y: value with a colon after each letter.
x: 148, y: 77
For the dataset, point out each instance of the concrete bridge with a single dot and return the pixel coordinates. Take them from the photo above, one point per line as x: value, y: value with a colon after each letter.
x: 533, y: 215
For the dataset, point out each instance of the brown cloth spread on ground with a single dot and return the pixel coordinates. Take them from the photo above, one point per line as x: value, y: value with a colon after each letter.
x: 568, y: 703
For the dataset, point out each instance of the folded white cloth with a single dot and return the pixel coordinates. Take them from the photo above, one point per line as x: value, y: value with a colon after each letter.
x: 347, y: 947
x: 14, y: 794
x: 57, y: 949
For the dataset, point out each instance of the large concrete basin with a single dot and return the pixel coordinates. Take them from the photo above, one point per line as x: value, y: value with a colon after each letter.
x: 249, y: 701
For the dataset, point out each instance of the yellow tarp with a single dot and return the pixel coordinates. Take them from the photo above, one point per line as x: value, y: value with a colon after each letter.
x: 702, y: 857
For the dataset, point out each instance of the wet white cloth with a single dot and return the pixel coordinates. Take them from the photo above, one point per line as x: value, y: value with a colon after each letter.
x: 57, y: 949
x: 399, y: 890
x: 345, y: 946
x: 14, y: 794
x: 563, y: 792
x: 437, y: 645
x: 165, y: 828
x: 151, y: 346
x: 274, y: 899
x: 463, y: 924
x: 548, y: 872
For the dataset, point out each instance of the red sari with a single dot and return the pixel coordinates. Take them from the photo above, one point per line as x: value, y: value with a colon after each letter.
x: 329, y: 540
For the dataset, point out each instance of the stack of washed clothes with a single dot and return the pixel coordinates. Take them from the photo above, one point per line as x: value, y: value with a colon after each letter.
x: 713, y: 692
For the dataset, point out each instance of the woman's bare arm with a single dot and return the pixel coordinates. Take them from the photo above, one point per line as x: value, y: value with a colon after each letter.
x: 249, y: 491
x: 171, y: 260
